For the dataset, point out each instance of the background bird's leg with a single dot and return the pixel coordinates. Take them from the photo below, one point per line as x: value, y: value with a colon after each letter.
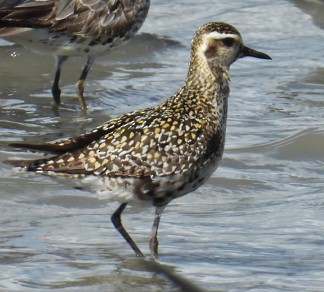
x: 80, y: 83
x: 153, y: 237
x: 116, y: 220
x: 56, y: 91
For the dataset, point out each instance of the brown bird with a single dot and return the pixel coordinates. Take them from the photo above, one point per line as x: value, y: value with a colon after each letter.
x: 154, y: 155
x: 71, y: 28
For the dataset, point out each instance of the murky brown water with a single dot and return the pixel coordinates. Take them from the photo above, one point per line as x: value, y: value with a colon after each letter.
x: 258, y: 224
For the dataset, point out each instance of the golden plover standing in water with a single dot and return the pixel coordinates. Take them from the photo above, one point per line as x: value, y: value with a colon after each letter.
x: 71, y: 28
x: 154, y: 155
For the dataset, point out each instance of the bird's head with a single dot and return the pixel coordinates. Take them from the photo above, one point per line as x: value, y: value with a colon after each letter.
x: 221, y: 44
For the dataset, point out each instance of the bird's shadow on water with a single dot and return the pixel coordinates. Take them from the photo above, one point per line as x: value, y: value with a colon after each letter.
x: 169, y: 274
x: 133, y: 274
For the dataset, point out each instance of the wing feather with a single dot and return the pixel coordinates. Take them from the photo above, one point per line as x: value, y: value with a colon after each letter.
x: 151, y: 142
x: 132, y: 152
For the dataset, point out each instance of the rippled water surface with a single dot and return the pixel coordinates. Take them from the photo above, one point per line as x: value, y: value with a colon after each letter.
x: 258, y: 224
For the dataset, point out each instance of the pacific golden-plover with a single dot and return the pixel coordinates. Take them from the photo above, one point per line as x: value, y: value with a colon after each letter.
x: 154, y: 155
x: 71, y: 28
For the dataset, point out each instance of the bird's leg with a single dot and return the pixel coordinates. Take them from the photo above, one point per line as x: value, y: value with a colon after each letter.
x: 153, y: 242
x: 56, y: 91
x: 116, y: 220
x: 80, y: 83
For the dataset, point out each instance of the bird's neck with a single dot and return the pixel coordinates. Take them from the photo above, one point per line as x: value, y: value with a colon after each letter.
x: 208, y: 81
x: 206, y: 88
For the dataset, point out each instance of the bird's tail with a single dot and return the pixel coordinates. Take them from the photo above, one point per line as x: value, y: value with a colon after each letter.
x: 28, y: 165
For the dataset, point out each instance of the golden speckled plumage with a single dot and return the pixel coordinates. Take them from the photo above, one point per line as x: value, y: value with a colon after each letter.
x: 160, y: 153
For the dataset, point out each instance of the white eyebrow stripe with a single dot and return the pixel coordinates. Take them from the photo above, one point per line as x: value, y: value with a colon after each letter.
x: 218, y: 35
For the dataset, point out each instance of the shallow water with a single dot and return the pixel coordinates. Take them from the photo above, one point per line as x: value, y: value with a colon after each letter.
x: 258, y: 224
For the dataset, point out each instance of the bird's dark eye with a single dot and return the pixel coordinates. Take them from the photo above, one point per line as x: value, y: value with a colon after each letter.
x: 228, y: 42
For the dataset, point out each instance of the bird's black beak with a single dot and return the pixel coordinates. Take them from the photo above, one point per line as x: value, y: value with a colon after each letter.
x: 247, y: 52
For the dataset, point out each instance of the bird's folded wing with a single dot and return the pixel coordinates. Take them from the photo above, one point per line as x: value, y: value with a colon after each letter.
x: 135, y: 149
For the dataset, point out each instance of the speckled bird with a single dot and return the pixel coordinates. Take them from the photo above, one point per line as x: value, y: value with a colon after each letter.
x: 154, y: 155
x: 71, y: 28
